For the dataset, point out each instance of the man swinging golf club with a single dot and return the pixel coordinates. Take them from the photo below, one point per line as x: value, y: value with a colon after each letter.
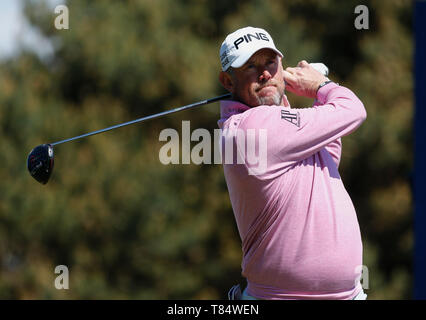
x: 299, y: 230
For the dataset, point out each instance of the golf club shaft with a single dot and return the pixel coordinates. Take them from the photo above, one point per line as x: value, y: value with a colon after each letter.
x: 192, y: 105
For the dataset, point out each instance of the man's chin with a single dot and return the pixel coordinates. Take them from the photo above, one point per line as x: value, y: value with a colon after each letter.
x: 274, y: 100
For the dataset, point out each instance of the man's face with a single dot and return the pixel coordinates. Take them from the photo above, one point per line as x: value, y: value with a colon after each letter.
x: 259, y: 81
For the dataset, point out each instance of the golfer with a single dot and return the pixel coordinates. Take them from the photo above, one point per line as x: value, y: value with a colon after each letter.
x: 299, y: 230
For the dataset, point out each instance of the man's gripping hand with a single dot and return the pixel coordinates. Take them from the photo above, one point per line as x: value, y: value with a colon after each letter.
x: 303, y: 80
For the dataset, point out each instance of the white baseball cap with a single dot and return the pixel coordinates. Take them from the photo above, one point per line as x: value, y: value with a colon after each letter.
x: 240, y: 45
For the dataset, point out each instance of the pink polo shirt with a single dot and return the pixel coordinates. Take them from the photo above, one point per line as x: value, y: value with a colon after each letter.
x: 299, y: 230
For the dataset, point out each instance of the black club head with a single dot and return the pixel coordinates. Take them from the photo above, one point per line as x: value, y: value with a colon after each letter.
x: 40, y: 162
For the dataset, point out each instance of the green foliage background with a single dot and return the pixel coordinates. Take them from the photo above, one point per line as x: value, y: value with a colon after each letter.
x: 129, y: 227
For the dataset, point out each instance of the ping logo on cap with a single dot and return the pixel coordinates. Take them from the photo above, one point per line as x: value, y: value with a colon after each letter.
x: 248, y: 38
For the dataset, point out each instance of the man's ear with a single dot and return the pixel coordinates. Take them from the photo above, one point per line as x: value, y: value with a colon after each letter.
x: 226, y: 81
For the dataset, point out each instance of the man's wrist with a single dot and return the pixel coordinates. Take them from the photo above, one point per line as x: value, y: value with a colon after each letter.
x: 323, y: 84
x: 324, y: 91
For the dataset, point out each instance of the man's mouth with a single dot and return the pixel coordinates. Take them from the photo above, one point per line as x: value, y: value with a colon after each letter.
x: 268, y: 87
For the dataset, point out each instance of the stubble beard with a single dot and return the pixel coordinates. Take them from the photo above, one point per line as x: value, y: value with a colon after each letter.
x: 274, y: 100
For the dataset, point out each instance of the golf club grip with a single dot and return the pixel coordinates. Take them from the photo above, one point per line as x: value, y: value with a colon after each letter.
x: 192, y: 105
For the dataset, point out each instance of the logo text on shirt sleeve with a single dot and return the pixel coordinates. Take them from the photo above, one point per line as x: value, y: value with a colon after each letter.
x: 292, y: 117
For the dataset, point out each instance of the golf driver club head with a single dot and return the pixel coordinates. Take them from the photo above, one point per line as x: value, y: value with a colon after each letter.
x: 40, y: 162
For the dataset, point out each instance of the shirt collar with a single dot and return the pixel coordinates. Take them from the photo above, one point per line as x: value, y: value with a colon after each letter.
x: 229, y: 108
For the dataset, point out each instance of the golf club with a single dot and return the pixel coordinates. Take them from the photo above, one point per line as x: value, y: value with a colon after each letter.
x: 40, y: 160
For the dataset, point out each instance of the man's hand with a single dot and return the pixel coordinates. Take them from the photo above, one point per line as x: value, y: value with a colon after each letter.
x: 303, y: 80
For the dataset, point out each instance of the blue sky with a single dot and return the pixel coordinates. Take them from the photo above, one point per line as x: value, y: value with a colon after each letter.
x: 15, y: 32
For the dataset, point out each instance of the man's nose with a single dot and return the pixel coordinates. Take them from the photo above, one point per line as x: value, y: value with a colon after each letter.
x: 264, y: 75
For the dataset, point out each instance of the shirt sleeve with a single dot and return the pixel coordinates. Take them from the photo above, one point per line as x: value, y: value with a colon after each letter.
x: 334, y: 148
x: 296, y: 134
